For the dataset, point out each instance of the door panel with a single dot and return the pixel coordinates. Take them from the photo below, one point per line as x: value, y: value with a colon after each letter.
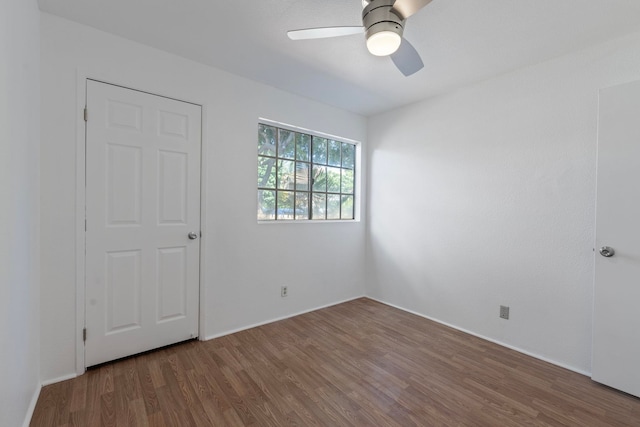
x: 616, y: 343
x: 143, y: 199
x: 172, y: 283
x: 123, y: 291
x: 172, y: 189
x: 124, y: 178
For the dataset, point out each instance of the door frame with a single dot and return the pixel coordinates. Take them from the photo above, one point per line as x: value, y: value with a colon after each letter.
x: 609, y: 143
x: 82, y: 76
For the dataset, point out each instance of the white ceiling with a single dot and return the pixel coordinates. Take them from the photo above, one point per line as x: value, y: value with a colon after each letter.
x: 460, y: 41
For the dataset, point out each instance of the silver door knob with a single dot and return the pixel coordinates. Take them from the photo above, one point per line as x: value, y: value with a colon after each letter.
x: 193, y: 236
x: 607, y: 252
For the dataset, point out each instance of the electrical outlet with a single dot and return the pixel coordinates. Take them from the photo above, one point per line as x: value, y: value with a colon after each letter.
x: 504, y: 312
x: 284, y: 291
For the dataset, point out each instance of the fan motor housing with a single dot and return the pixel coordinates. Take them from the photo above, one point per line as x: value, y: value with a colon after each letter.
x: 378, y: 16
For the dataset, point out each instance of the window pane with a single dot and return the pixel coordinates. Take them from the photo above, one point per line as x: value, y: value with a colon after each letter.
x: 319, y: 150
x: 266, y: 140
x: 286, y: 174
x: 333, y: 180
x: 334, y: 153
x: 303, y: 147
x: 320, y: 178
x: 333, y: 206
x: 347, y: 207
x: 266, y: 172
x: 348, y: 155
x: 347, y: 181
x: 285, y: 204
x: 302, y: 205
x: 266, y: 205
x: 319, y: 206
x: 302, y: 176
x: 286, y: 144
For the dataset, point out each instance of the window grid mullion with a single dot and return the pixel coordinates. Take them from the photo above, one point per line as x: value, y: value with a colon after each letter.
x: 310, y: 192
x: 295, y: 175
x: 277, y: 172
x: 340, y: 190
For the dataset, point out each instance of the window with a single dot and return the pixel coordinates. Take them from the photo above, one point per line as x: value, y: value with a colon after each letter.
x: 304, y: 177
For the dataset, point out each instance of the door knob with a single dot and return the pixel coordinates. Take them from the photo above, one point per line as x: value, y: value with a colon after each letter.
x: 193, y: 236
x: 607, y: 252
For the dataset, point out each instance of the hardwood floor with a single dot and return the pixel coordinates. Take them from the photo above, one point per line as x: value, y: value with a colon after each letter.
x: 356, y: 364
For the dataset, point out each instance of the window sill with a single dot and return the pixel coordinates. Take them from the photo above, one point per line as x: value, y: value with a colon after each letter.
x: 306, y: 221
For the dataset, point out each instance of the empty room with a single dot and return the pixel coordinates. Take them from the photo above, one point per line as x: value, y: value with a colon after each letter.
x: 319, y: 213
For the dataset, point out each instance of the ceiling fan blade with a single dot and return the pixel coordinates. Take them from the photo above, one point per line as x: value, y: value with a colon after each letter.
x: 407, y: 59
x: 324, y: 32
x: 406, y: 8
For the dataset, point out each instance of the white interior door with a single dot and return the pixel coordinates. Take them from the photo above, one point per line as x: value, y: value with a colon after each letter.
x: 616, y: 327
x: 143, y: 201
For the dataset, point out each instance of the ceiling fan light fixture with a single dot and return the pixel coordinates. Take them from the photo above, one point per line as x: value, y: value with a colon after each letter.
x: 383, y: 24
x: 383, y: 43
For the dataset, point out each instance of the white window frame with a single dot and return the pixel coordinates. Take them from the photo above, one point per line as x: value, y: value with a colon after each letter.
x: 357, y: 190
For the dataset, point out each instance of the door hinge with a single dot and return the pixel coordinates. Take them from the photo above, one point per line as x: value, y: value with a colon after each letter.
x: 84, y: 335
x: 85, y: 114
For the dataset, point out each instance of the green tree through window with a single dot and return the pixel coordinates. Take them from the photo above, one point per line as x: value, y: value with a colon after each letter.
x: 304, y: 177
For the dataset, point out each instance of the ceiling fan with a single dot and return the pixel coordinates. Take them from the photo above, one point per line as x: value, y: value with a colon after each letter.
x: 383, y: 23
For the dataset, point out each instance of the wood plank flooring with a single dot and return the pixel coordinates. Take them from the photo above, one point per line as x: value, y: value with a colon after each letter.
x: 359, y: 363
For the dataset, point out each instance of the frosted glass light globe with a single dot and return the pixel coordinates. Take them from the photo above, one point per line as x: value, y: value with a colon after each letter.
x: 383, y: 43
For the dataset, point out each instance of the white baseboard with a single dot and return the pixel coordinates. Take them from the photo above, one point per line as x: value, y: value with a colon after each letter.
x: 266, y: 322
x: 221, y: 334
x: 32, y: 406
x: 509, y: 346
x: 36, y: 395
x: 59, y: 379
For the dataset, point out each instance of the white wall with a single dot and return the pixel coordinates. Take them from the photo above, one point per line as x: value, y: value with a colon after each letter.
x: 486, y: 196
x: 19, y: 141
x: 246, y: 263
